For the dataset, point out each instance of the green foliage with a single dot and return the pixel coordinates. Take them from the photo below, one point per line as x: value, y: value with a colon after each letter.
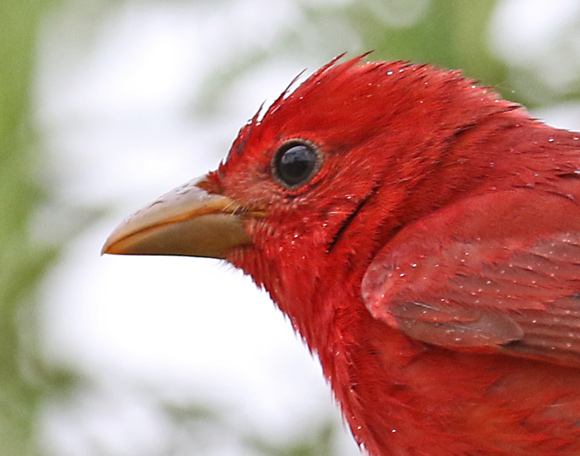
x: 449, y: 34
x: 452, y: 34
x: 22, y: 262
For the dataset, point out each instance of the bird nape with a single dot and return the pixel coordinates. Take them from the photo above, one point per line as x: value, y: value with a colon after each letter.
x: 423, y: 236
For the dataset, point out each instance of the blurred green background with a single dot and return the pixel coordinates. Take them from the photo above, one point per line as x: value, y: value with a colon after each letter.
x: 473, y: 36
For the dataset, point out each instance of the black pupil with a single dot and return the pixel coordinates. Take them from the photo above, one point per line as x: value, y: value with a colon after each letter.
x: 295, y: 164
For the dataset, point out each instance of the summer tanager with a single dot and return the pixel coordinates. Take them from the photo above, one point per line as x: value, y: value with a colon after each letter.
x: 423, y: 236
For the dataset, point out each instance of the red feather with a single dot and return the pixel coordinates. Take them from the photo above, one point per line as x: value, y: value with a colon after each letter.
x: 423, y: 236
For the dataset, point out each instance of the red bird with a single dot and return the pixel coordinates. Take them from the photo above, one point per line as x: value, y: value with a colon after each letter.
x: 423, y: 236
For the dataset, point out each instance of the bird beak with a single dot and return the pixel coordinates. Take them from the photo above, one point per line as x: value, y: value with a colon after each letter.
x: 186, y: 221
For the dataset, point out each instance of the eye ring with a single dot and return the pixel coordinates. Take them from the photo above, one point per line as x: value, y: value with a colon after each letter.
x: 296, y: 162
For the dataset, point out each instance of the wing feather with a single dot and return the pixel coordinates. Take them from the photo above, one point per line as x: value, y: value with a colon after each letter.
x: 467, y: 280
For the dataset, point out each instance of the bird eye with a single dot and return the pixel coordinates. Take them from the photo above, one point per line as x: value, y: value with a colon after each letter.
x: 295, y: 163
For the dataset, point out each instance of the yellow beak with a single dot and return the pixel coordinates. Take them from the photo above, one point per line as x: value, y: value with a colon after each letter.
x: 186, y: 221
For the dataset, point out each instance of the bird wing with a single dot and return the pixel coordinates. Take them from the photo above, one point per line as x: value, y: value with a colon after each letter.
x: 495, y: 272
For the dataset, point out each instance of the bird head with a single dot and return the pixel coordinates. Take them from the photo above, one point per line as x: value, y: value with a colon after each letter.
x: 326, y: 175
